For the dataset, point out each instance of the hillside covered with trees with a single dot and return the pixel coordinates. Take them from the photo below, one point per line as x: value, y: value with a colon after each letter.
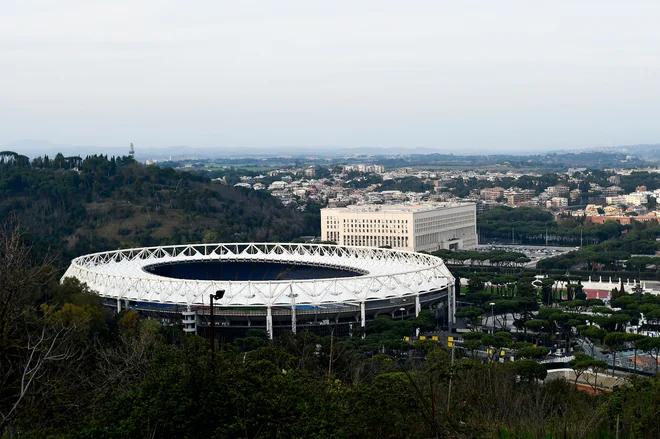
x: 72, y: 206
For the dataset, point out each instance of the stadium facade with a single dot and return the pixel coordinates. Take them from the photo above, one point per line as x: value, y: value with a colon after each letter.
x: 275, y: 287
x: 414, y: 227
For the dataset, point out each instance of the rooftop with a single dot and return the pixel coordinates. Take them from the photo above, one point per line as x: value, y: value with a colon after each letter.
x: 420, y: 207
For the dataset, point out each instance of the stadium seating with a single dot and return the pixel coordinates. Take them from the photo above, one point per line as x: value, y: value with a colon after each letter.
x: 243, y: 271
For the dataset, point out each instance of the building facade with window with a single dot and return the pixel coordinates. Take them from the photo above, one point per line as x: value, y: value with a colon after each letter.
x: 417, y: 227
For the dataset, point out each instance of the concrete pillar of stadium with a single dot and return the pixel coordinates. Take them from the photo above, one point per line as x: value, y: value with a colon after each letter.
x: 418, y: 307
x: 363, y: 317
x: 269, y: 322
x: 189, y: 318
x: 293, y: 310
x: 118, y: 305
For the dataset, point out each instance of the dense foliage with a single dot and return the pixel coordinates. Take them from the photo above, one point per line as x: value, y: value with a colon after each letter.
x: 529, y: 225
x: 71, y: 369
x: 614, y: 254
x: 75, y: 206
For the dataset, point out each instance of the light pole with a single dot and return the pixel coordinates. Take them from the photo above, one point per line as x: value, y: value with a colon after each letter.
x: 217, y: 296
x: 492, y: 316
x: 402, y: 311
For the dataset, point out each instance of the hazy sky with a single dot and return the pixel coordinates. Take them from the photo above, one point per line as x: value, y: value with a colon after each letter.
x: 441, y: 74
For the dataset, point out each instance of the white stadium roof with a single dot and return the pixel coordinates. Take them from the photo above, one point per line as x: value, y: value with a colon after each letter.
x: 387, y: 274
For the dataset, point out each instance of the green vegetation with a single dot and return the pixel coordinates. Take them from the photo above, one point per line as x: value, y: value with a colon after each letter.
x: 74, y: 206
x: 405, y: 184
x: 529, y: 225
x: 493, y: 258
x: 614, y: 254
x: 71, y: 369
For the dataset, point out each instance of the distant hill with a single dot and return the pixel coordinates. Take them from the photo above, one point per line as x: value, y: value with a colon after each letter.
x: 73, y: 206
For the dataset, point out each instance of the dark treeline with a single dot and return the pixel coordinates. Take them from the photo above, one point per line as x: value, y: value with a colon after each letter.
x: 552, y: 161
x: 529, y: 225
x: 493, y: 258
x: 74, y: 206
x: 614, y: 254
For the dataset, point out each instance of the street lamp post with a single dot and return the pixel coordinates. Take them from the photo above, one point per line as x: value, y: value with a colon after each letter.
x: 402, y: 311
x: 217, y: 296
x: 492, y: 316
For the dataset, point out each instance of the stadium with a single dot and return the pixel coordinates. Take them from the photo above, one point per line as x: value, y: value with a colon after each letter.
x: 272, y: 286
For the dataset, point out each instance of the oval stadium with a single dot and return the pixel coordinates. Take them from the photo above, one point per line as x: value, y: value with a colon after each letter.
x: 272, y: 286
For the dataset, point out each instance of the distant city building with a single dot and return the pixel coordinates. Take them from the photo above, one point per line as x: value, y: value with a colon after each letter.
x: 416, y: 227
x: 492, y: 193
x: 485, y: 205
x: 621, y: 219
x: 557, y: 191
x: 634, y: 199
x: 611, y: 191
x: 592, y: 209
x: 557, y: 202
x: 572, y: 171
x: 378, y: 169
x: 277, y: 185
x: 575, y: 194
x: 515, y: 196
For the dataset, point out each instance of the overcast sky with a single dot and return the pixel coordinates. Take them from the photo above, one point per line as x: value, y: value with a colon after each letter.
x: 450, y: 75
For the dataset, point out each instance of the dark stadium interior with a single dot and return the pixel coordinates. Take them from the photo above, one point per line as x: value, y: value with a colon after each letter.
x: 246, y: 271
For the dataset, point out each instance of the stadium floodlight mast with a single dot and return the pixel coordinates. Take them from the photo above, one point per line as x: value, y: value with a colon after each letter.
x: 217, y: 296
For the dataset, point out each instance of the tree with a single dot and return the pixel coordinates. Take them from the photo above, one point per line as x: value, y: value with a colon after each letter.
x: 471, y: 315
x: 594, y: 333
x: 651, y: 345
x: 622, y: 290
x: 530, y: 370
x: 496, y: 341
x: 614, y: 341
x: 582, y: 363
x: 546, y: 291
x: 532, y: 352
x: 537, y: 326
x: 20, y: 279
x: 476, y: 283
x: 473, y: 341
x: 634, y: 339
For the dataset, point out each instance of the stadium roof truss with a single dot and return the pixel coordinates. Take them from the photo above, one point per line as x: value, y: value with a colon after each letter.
x: 382, y: 274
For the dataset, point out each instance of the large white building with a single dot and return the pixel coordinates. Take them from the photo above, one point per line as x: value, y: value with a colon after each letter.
x: 417, y: 227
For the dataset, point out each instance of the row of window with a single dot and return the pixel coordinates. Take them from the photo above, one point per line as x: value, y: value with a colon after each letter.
x: 376, y: 241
